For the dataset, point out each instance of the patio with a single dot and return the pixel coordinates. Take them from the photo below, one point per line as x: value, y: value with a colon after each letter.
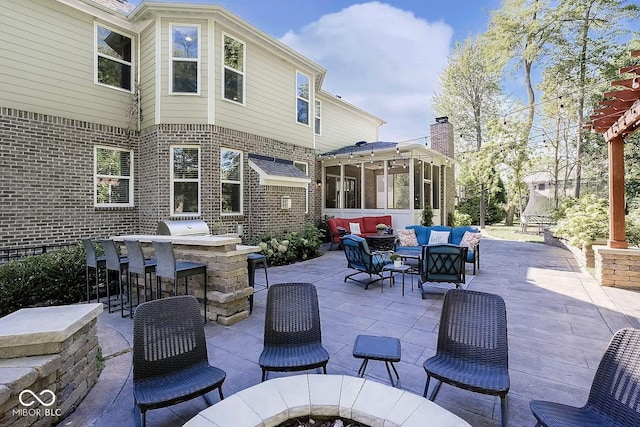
x: 560, y: 322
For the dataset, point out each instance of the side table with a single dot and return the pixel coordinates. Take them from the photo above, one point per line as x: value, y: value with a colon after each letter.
x: 392, y: 268
x: 386, y: 349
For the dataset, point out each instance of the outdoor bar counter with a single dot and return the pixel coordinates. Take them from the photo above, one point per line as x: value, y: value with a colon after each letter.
x: 226, y: 260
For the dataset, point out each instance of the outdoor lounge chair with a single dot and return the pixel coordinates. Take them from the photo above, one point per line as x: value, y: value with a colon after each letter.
x: 614, y: 399
x: 292, y: 334
x: 443, y: 263
x: 363, y: 260
x: 472, y: 351
x: 170, y: 362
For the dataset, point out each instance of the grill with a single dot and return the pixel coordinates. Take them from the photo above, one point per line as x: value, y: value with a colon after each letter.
x: 195, y: 227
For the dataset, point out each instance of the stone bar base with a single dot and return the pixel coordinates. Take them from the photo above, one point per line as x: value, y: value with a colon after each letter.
x: 617, y: 267
x: 48, y: 362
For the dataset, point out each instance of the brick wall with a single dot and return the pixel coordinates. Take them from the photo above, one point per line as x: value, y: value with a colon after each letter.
x: 47, y: 180
x: 617, y: 267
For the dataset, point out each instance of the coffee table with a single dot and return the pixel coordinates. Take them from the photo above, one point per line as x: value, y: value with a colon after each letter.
x: 386, y: 349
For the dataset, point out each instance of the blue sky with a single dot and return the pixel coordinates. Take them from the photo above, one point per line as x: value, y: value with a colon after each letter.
x: 384, y: 57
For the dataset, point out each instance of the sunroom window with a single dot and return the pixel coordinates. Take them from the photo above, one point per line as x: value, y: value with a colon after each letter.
x: 113, y: 59
x: 185, y: 59
x: 185, y: 180
x: 113, y: 177
x: 233, y: 70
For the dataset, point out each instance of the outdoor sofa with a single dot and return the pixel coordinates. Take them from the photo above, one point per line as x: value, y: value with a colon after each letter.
x: 455, y: 236
x: 361, y: 226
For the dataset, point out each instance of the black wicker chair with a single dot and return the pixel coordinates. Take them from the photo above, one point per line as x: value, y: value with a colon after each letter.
x: 472, y: 351
x: 119, y: 264
x: 170, y: 362
x: 292, y: 335
x: 614, y: 399
x: 93, y: 261
x: 442, y: 263
x: 363, y: 260
x: 138, y: 264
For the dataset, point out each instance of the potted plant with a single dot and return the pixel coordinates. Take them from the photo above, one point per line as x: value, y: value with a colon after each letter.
x: 397, y: 261
x: 381, y: 228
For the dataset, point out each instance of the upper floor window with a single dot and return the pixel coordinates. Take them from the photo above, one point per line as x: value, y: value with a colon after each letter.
x: 231, y: 178
x: 302, y: 98
x: 185, y: 59
x: 234, y: 55
x: 185, y: 180
x: 113, y: 177
x: 317, y: 117
x: 113, y: 59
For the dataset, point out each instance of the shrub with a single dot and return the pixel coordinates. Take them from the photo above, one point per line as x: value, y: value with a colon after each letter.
x: 586, y: 219
x: 54, y: 278
x: 427, y: 216
x: 291, y: 247
x: 633, y: 228
x: 323, y: 228
x: 461, y: 219
x: 493, y: 212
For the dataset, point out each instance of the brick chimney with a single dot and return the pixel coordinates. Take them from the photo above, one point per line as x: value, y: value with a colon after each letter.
x: 442, y: 136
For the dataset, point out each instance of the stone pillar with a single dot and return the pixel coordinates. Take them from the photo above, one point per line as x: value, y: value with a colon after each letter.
x: 48, y: 362
x: 617, y: 267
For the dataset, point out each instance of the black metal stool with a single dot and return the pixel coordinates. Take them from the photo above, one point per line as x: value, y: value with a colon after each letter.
x: 386, y: 349
x: 253, y: 261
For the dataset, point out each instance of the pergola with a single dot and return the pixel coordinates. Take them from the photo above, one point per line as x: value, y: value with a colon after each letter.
x: 618, y: 118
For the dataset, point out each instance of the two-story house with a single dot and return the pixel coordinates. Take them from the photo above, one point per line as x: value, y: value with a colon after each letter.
x: 113, y: 118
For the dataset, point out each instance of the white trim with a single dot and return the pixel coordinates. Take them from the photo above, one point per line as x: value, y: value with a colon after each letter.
x: 172, y: 181
x: 131, y: 64
x: 317, y: 109
x: 308, y: 101
x: 243, y: 73
x: 196, y: 60
x: 157, y: 71
x: 130, y: 177
x: 240, y: 181
x: 211, y: 95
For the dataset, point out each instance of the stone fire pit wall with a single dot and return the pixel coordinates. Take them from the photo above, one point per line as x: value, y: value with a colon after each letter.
x: 48, y: 362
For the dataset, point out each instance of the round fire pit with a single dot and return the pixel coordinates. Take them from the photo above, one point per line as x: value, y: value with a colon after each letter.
x: 275, y: 401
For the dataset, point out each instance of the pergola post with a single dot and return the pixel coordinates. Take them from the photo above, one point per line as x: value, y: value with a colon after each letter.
x: 616, y: 194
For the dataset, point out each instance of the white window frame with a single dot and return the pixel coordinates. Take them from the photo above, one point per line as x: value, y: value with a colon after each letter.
x: 317, y: 117
x: 96, y: 177
x: 308, y: 101
x: 306, y: 188
x: 227, y: 181
x: 243, y: 73
x: 173, y: 180
x: 97, y: 55
x: 173, y: 59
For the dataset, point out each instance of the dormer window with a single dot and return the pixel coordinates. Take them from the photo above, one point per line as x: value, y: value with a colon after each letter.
x: 185, y: 59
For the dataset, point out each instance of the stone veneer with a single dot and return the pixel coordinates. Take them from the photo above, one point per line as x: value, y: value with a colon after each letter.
x: 617, y: 267
x: 45, y: 352
x: 368, y: 402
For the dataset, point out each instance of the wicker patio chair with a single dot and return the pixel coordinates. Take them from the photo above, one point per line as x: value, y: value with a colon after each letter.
x: 292, y: 334
x: 119, y: 264
x: 363, y: 260
x: 614, y: 399
x: 442, y: 263
x: 93, y: 261
x: 472, y: 351
x: 170, y: 362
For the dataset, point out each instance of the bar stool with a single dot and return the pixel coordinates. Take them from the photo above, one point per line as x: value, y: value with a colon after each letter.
x: 138, y: 264
x: 253, y: 261
x: 115, y: 262
x: 167, y: 267
x: 93, y: 261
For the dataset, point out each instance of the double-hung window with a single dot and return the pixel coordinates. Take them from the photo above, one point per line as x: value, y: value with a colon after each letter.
x: 185, y: 180
x: 233, y: 69
x: 113, y: 177
x: 302, y: 98
x: 113, y: 59
x: 317, y: 116
x: 231, y: 178
x: 185, y: 59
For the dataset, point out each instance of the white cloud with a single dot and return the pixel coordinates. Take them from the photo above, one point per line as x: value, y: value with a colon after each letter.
x: 382, y: 59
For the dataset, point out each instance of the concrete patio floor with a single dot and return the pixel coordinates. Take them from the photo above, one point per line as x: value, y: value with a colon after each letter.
x: 559, y: 319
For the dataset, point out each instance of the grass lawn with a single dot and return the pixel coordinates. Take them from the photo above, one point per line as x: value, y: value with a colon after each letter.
x: 501, y: 231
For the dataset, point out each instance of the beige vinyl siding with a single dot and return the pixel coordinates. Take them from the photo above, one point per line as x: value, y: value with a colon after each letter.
x: 183, y: 109
x: 148, y: 76
x: 48, y: 58
x: 270, y: 98
x: 343, y: 126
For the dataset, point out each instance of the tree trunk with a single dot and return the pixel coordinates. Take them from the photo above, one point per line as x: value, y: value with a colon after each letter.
x: 511, y: 211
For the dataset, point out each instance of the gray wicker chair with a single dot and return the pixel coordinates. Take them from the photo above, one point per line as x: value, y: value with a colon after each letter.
x: 292, y: 334
x: 170, y: 362
x: 138, y: 264
x: 614, y: 399
x: 472, y: 351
